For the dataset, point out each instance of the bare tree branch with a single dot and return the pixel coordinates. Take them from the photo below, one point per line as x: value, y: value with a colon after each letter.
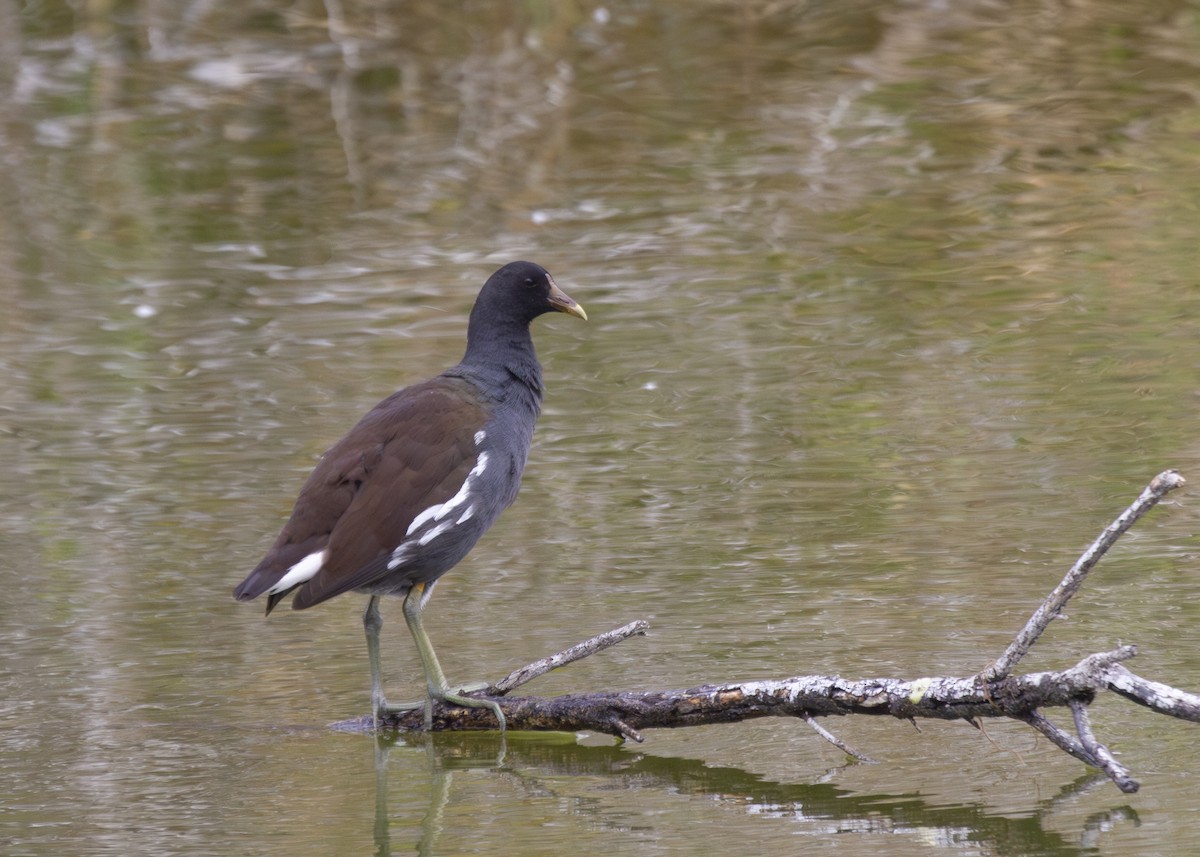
x: 1050, y: 609
x: 1105, y: 760
x: 993, y: 693
x: 618, y: 713
x: 836, y: 741
x: 1159, y: 697
x: 538, y: 668
x: 1060, y: 739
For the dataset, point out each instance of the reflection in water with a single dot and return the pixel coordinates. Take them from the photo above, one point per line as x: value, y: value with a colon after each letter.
x: 382, y: 830
x: 549, y: 768
x: 442, y: 762
x: 431, y: 824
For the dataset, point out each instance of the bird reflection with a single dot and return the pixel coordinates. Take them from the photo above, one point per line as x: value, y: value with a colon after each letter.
x: 441, y: 760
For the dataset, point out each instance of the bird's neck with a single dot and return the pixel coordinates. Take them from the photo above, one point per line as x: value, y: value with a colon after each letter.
x: 504, y: 361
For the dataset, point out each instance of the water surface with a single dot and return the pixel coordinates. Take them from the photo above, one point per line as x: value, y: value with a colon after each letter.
x: 892, y: 308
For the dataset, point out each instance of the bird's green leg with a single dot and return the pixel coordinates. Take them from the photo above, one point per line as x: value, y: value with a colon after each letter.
x: 372, y: 625
x: 435, y: 679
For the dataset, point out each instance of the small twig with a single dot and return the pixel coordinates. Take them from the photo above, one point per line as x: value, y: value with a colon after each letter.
x: 1097, y: 666
x: 1159, y: 486
x: 547, y: 664
x: 626, y: 732
x: 1105, y: 760
x: 836, y: 741
x: 1060, y: 739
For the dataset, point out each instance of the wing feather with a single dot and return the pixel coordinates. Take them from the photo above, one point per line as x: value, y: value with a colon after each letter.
x: 412, y: 451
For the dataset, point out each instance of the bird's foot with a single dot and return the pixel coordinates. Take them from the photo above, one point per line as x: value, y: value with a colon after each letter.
x: 458, y: 696
x: 447, y: 696
x: 381, y: 709
x: 397, y: 707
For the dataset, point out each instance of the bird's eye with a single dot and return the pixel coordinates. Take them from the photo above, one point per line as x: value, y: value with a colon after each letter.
x: 529, y: 281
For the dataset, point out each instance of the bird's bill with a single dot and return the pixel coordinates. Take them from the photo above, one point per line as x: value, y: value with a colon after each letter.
x: 562, y: 302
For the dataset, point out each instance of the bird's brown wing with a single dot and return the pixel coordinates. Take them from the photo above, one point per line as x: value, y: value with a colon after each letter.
x: 412, y: 451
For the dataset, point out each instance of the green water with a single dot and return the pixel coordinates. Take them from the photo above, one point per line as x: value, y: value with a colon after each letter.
x: 893, y: 307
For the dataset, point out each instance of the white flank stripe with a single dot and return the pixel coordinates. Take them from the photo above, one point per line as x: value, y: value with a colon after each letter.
x: 434, y: 533
x: 304, y: 570
x: 440, y: 510
x: 399, y: 555
x: 479, y: 436
x: 422, y: 519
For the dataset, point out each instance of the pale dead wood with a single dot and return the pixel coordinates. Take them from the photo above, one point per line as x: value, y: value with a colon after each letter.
x: 993, y: 693
x: 540, y: 667
x: 1162, y: 698
x: 1052, y: 607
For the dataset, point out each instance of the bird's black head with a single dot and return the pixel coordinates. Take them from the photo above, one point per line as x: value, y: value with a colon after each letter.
x: 520, y: 292
x: 512, y: 298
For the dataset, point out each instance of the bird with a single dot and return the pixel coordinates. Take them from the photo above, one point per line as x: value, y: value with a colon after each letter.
x: 404, y: 496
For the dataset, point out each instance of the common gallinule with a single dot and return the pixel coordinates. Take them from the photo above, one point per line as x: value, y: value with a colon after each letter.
x: 403, y: 497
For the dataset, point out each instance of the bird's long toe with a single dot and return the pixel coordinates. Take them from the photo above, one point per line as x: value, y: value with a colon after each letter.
x: 458, y: 697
